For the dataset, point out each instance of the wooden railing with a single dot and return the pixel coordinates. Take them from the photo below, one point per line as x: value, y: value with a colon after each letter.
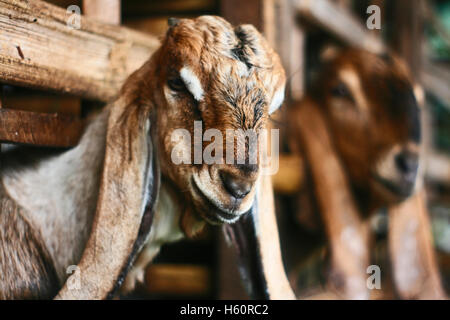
x: 39, y: 49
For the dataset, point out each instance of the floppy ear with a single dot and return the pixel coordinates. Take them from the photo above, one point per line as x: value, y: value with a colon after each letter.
x: 124, y: 214
x: 255, y: 239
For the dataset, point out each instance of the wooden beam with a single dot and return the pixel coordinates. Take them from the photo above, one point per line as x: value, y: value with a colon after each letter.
x: 340, y: 22
x: 107, y: 11
x: 39, y: 49
x: 290, y: 177
x: 50, y: 130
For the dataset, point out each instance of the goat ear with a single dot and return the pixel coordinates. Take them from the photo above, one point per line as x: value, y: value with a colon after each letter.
x: 255, y: 240
x: 172, y: 22
x: 122, y: 219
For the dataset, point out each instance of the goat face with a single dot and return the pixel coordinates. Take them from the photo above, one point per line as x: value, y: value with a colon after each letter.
x: 225, y: 78
x: 374, y: 118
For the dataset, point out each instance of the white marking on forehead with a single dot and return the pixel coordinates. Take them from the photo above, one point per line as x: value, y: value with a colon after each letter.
x: 242, y: 69
x: 277, y: 100
x: 192, y: 83
x: 351, y: 79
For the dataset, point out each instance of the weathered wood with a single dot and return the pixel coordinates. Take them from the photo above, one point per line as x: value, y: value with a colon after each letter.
x: 54, y: 130
x: 107, y: 11
x: 42, y: 102
x: 340, y: 22
x: 39, y: 49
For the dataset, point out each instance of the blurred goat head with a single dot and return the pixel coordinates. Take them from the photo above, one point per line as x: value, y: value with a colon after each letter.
x: 375, y: 121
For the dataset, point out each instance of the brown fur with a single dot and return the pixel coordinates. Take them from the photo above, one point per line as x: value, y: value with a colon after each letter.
x: 367, y: 104
x: 239, y: 75
x: 26, y: 269
x: 231, y: 101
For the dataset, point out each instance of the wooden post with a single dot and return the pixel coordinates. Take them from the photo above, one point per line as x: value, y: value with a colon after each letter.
x: 239, y: 12
x: 407, y: 32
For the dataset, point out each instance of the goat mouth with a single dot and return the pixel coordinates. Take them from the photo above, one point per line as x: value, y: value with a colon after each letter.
x: 211, y: 212
x: 401, y: 190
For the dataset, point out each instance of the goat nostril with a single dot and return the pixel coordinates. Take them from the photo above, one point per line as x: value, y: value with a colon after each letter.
x: 237, y: 187
x: 406, y: 162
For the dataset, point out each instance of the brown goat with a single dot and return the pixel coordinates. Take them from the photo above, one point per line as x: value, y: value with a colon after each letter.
x: 359, y: 130
x: 119, y: 192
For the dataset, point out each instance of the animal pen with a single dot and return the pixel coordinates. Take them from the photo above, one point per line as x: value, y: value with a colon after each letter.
x: 63, y: 60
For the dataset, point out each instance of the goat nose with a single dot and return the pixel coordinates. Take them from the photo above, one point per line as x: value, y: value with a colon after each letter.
x: 236, y: 186
x: 407, y: 162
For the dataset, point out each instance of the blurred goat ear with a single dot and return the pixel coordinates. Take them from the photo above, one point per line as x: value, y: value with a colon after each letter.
x: 329, y: 52
x: 124, y: 213
x: 172, y: 22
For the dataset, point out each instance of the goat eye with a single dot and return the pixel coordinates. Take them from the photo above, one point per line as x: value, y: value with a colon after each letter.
x: 176, y: 84
x: 341, y: 91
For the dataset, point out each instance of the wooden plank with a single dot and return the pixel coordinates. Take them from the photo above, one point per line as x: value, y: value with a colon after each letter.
x: 51, y: 130
x: 42, y: 103
x: 39, y: 49
x: 340, y: 22
x: 107, y: 11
